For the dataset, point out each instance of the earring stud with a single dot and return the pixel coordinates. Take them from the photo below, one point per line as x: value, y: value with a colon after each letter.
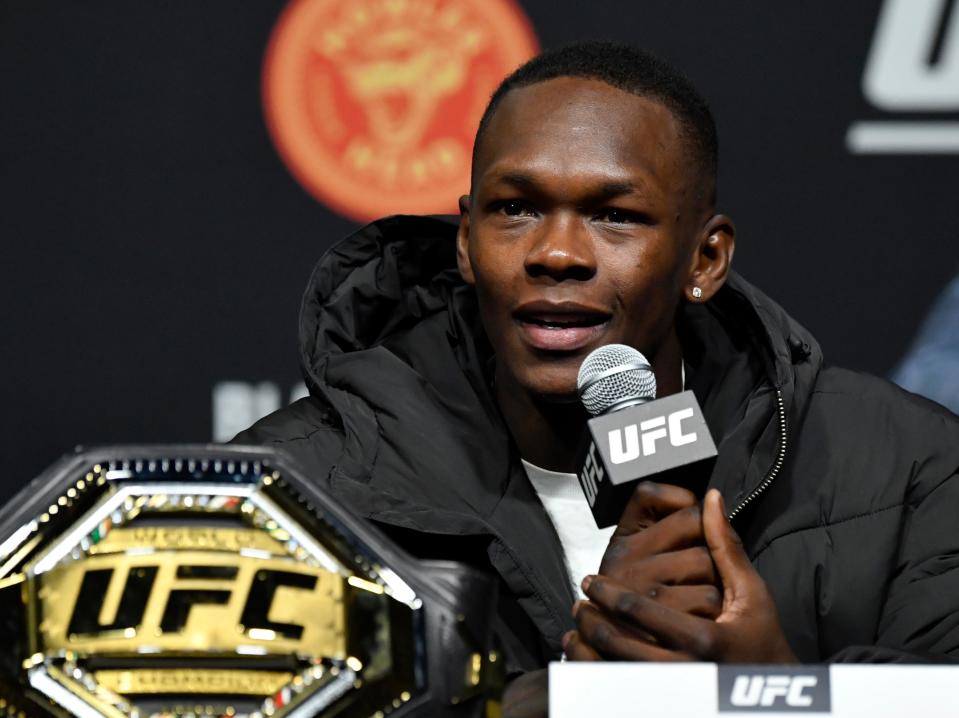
x: 697, y: 292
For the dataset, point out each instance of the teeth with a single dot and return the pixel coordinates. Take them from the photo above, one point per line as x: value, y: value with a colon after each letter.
x: 553, y: 324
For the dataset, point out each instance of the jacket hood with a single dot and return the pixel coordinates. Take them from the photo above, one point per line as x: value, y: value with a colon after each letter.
x: 375, y: 283
x: 389, y: 285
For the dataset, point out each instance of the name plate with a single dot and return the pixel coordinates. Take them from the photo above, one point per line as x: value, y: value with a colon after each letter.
x: 702, y: 690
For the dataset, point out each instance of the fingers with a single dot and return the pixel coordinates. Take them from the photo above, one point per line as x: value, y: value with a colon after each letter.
x: 681, y: 529
x: 685, y: 567
x: 577, y: 650
x: 649, y: 503
x: 628, y: 630
x: 672, y: 629
x: 704, y: 601
x: 735, y: 570
x: 605, y: 639
x: 700, y: 600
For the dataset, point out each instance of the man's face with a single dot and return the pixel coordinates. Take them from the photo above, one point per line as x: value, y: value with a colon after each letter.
x: 579, y: 230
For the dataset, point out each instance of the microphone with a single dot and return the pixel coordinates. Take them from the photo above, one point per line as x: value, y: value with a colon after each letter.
x: 634, y: 436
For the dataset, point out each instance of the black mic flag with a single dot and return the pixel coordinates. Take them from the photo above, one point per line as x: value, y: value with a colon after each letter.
x: 632, y: 436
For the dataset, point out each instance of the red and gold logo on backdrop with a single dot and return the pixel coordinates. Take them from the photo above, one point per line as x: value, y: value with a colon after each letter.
x: 373, y: 104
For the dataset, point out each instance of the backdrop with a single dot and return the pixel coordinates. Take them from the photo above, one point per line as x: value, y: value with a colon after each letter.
x: 167, y: 181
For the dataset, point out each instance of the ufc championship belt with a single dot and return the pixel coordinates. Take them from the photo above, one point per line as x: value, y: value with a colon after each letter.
x: 200, y: 581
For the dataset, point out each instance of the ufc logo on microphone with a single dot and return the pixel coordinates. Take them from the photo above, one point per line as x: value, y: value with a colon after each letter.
x: 592, y: 475
x: 631, y: 442
x: 742, y: 689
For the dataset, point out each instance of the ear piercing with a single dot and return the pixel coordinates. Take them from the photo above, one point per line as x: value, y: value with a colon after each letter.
x: 697, y: 292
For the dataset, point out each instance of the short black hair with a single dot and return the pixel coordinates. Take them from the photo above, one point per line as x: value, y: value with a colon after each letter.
x: 633, y: 70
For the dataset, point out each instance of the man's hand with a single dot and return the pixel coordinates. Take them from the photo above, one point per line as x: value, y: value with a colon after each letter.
x: 658, y: 550
x: 657, y: 519
x: 747, y: 629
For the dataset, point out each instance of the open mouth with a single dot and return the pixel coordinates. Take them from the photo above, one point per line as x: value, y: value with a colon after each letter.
x: 564, y: 322
x: 549, y: 329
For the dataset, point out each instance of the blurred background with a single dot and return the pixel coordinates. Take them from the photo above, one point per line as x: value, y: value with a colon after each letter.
x: 171, y: 171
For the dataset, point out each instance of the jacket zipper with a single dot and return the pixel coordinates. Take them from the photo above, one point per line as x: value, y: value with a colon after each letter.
x: 777, y: 464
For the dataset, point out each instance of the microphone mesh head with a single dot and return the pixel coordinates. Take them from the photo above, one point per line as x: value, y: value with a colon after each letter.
x: 613, y: 374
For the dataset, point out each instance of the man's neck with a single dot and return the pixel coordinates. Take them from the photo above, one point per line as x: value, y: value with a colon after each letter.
x: 549, y: 433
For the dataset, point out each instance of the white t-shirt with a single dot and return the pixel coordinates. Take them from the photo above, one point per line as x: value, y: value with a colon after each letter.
x: 583, y: 543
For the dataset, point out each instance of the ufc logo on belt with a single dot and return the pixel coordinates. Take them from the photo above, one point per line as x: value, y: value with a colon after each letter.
x: 172, y: 601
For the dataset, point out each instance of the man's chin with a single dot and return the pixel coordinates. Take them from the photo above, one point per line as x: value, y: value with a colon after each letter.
x: 555, y: 392
x: 546, y: 383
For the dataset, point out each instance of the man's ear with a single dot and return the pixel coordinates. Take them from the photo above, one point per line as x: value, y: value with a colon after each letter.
x: 463, y: 242
x: 711, y: 259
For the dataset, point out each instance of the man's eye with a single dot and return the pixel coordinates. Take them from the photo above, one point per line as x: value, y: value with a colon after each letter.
x: 515, y: 208
x: 617, y: 216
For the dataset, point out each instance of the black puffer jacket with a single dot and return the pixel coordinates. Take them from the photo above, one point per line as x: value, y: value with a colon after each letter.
x: 843, y: 487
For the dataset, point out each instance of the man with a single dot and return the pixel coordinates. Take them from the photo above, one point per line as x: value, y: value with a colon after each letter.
x: 436, y: 363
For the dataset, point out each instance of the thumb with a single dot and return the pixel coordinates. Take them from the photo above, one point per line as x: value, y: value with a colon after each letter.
x: 732, y: 563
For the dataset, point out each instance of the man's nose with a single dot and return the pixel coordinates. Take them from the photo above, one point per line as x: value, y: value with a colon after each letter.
x: 562, y: 249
